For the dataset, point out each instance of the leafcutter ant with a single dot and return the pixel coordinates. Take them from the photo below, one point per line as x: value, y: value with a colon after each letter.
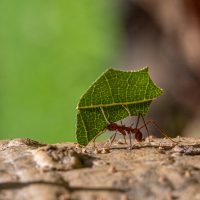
x: 129, y: 130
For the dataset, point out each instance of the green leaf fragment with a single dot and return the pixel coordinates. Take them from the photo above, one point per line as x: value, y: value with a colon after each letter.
x: 113, y: 96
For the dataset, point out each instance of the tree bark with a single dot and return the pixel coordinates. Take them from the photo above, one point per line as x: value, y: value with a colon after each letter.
x: 155, y: 170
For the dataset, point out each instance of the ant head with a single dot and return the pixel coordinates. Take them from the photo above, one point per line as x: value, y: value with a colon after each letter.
x: 138, y: 135
x: 112, y: 126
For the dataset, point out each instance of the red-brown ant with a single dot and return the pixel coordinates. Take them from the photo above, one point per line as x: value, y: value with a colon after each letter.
x: 128, y: 130
x: 122, y: 129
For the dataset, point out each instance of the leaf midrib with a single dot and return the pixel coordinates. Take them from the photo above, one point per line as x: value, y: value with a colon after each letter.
x: 116, y: 104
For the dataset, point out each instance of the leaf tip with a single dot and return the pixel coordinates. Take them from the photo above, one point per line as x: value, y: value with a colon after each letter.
x: 161, y: 90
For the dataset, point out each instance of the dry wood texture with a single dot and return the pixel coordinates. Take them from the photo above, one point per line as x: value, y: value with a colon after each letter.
x: 156, y: 170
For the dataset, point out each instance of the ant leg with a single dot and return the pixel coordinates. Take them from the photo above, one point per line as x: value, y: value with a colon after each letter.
x: 138, y: 119
x: 125, y: 139
x: 158, y: 128
x: 94, y: 140
x: 113, y: 138
x: 137, y: 122
x: 123, y: 135
x: 130, y: 141
x: 146, y: 128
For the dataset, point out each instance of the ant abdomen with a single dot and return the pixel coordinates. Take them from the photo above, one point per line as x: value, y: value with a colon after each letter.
x: 138, y: 135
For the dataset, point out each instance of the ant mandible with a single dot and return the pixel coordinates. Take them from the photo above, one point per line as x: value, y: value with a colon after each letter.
x: 128, y: 130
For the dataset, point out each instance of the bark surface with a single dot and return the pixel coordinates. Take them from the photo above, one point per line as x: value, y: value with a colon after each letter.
x: 156, y: 170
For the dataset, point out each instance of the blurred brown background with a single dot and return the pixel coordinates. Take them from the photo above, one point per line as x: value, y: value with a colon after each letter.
x: 166, y: 37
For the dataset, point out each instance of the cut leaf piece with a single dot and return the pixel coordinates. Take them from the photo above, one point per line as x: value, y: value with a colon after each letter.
x: 113, y: 96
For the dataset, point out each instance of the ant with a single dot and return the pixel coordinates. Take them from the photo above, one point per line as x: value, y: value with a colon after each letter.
x: 128, y: 130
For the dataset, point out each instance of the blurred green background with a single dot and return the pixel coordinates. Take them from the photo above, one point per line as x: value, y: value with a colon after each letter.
x: 50, y: 53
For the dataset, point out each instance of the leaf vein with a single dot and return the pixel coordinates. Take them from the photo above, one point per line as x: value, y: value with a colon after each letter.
x: 109, y: 88
x: 86, y: 135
